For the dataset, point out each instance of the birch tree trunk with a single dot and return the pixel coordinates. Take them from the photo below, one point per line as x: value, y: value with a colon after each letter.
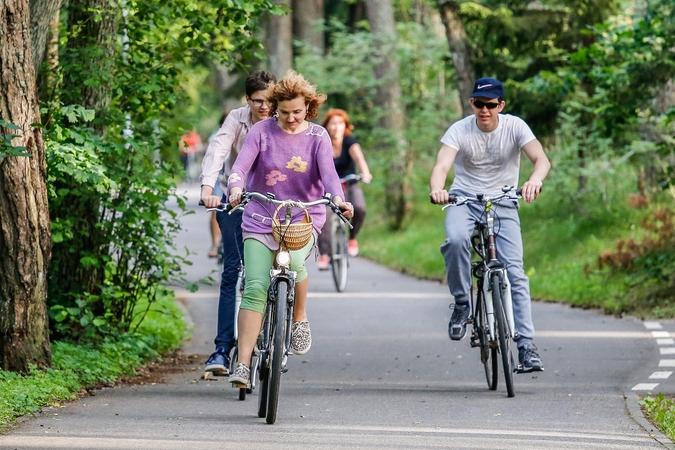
x: 25, y: 237
x: 459, y: 49
x: 381, y: 18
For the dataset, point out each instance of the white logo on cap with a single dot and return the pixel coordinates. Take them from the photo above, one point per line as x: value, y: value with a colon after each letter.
x: 481, y: 86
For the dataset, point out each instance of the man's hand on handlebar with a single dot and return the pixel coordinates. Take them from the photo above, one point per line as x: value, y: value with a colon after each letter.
x: 207, y: 197
x: 531, y: 189
x: 439, y: 197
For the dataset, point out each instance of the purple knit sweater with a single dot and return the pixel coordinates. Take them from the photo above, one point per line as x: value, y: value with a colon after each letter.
x: 290, y: 166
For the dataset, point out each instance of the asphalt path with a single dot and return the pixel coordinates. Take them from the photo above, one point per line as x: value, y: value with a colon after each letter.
x: 382, y: 374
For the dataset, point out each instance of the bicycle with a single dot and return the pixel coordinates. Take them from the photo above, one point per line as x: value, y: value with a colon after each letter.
x: 270, y: 356
x: 493, y: 326
x: 339, y: 258
x: 241, y: 283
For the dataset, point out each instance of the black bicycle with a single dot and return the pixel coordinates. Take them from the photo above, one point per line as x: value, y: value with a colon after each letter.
x: 271, y: 352
x: 493, y: 326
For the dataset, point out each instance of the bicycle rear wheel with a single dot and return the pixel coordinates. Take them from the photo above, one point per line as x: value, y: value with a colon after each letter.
x: 278, y: 352
x: 504, y: 334
x: 339, y: 258
x: 488, y: 352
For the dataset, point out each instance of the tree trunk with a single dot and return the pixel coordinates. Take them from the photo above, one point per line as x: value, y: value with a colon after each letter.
x: 47, y: 78
x: 461, y: 57
x: 42, y: 13
x: 307, y: 23
x: 279, y: 43
x: 92, y: 27
x: 25, y: 238
x: 95, y: 40
x: 381, y: 18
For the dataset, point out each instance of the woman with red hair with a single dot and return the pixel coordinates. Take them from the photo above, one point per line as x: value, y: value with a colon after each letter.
x: 347, y: 155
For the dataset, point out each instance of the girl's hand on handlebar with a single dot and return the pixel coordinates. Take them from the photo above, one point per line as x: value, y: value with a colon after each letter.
x: 346, y: 208
x: 439, y: 197
x: 235, y: 196
x: 530, y: 190
x: 366, y: 177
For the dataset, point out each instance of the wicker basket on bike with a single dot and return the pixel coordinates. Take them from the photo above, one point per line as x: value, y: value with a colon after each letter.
x: 293, y: 236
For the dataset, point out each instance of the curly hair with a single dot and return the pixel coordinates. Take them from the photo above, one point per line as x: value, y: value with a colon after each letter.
x: 342, y: 114
x: 292, y: 86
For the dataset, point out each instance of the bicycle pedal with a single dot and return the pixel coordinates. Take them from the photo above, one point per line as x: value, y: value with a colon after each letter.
x: 240, y: 385
x: 474, y: 343
x: 284, y: 370
x: 221, y: 374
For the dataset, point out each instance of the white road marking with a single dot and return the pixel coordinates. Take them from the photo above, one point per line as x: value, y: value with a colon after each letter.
x: 595, y: 334
x: 653, y: 325
x: 660, y: 375
x: 667, y: 363
x: 660, y: 334
x: 667, y: 351
x: 666, y: 341
x: 645, y: 386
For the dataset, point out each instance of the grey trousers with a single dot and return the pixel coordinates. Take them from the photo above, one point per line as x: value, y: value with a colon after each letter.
x: 456, y: 250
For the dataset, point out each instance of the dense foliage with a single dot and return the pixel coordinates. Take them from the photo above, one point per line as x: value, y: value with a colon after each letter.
x: 109, y: 187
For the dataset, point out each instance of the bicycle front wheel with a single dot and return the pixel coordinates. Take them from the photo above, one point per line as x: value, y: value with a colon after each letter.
x: 339, y: 258
x: 278, y: 352
x: 488, y: 352
x: 503, y: 332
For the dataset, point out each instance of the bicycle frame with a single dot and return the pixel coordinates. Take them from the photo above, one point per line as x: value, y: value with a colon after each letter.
x: 486, y: 249
x: 278, y: 274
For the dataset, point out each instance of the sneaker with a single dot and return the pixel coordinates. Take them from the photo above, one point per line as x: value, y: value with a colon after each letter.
x: 458, y: 320
x: 530, y: 359
x: 241, y: 375
x: 324, y: 262
x: 352, y: 248
x: 301, y: 338
x: 219, y: 361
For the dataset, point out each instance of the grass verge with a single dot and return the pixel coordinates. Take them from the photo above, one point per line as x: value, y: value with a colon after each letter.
x: 84, y: 366
x: 661, y: 412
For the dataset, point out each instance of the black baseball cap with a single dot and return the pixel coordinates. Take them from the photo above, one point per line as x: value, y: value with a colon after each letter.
x: 489, y: 88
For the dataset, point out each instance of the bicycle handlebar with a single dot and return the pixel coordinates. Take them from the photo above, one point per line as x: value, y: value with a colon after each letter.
x: 221, y: 207
x: 269, y: 198
x: 508, y: 192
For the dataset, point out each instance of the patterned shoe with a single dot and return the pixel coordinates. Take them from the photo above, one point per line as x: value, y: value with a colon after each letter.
x: 241, y: 375
x: 301, y: 338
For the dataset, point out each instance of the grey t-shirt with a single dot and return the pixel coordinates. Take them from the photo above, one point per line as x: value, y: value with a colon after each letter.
x: 486, y: 162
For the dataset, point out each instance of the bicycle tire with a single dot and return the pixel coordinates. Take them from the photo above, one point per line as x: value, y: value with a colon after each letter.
x: 339, y: 258
x: 278, y: 352
x: 264, y: 391
x: 504, y: 335
x: 488, y: 352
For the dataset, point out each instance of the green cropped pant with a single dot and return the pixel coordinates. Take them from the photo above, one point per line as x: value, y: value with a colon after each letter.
x: 259, y: 260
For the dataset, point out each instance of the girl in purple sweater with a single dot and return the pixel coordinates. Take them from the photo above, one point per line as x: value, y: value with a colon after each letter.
x: 291, y: 158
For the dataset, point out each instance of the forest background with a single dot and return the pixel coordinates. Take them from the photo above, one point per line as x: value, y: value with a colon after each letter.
x: 96, y: 94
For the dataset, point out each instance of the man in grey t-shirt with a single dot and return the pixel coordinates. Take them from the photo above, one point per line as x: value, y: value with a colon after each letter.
x: 485, y: 151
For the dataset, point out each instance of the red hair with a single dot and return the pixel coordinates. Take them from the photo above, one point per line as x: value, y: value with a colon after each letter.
x: 341, y: 113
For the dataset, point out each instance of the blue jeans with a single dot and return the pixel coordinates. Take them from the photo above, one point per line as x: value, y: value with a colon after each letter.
x: 233, y: 254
